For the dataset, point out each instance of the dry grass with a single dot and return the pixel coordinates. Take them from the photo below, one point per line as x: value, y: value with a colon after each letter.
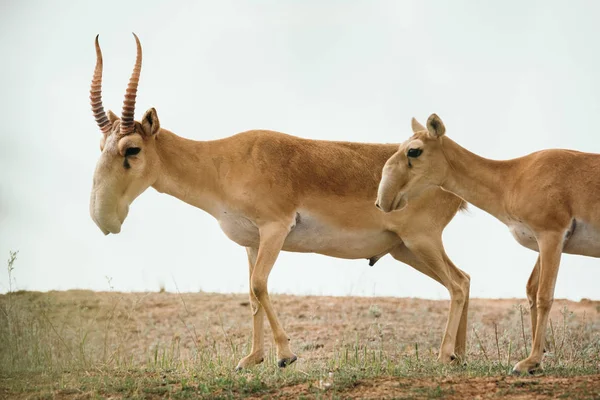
x: 82, y: 344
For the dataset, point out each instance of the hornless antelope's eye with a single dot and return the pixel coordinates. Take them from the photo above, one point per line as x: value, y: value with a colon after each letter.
x: 414, y: 153
x: 132, y: 151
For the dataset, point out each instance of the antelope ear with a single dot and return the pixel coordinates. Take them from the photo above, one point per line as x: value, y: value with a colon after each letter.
x: 112, y: 117
x: 150, y: 123
x: 435, y: 126
x: 416, y: 126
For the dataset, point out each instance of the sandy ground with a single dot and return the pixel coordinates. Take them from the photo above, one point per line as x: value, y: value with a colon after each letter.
x: 577, y: 387
x: 137, y: 322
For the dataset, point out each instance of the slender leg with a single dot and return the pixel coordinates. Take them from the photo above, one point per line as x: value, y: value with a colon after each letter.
x: 550, y: 245
x: 431, y: 254
x: 256, y: 355
x: 272, y: 237
x: 532, y: 289
x: 403, y: 254
x: 460, y: 348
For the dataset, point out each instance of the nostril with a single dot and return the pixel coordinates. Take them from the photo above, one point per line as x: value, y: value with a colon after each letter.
x: 377, y: 205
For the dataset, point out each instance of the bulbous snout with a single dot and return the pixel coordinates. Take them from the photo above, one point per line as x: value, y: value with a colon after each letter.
x: 102, y: 229
x: 385, y: 195
x: 107, y: 213
x: 389, y: 197
x: 397, y: 203
x: 383, y: 206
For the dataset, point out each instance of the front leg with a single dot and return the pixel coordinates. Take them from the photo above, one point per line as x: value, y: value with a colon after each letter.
x: 257, y: 353
x: 550, y: 245
x: 272, y: 237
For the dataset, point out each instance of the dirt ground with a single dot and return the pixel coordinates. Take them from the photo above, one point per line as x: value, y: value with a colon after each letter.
x: 577, y: 387
x: 136, y: 323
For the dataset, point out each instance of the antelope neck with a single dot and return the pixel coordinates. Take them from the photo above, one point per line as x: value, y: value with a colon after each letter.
x: 480, y: 181
x: 188, y: 171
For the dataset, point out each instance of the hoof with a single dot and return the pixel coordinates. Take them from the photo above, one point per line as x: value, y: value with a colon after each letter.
x: 245, y: 363
x: 516, y: 372
x: 284, y: 362
x: 451, y: 359
x: 458, y: 360
x: 528, y: 371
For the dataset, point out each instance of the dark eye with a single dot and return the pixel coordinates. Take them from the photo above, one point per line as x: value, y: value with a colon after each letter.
x: 132, y: 151
x: 414, y: 153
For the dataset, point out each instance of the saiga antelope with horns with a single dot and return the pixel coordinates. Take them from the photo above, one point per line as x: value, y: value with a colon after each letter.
x: 272, y: 192
x: 546, y: 199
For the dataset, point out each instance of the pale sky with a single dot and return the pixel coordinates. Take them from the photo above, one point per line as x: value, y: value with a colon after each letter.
x: 507, y: 78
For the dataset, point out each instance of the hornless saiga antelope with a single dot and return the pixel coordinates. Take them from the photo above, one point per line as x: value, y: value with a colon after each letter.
x: 546, y: 199
x: 272, y: 192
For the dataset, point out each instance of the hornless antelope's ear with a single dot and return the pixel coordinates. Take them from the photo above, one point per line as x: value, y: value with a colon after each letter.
x: 150, y: 123
x: 416, y: 126
x: 112, y: 117
x: 435, y: 126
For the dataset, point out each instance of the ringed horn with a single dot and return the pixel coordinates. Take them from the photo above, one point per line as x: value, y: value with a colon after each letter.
x: 127, y: 123
x: 96, y: 94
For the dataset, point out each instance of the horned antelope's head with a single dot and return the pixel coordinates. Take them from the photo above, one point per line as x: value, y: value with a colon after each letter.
x: 418, y: 164
x: 129, y: 163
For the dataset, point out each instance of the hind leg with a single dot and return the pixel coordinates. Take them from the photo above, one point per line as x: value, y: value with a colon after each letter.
x: 428, y: 256
x: 460, y: 348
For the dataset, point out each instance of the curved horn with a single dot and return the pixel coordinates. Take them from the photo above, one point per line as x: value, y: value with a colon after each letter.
x: 127, y: 124
x: 96, y: 94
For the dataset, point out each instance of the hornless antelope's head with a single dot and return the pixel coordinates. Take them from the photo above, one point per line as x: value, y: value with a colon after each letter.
x: 129, y: 163
x: 418, y: 164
